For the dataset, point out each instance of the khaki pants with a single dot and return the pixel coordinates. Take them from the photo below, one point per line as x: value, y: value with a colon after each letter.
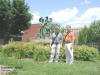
x: 69, y: 53
x: 55, y: 49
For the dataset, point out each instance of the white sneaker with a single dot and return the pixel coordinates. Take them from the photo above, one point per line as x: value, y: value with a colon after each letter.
x: 56, y: 61
x: 70, y: 63
x: 50, y: 61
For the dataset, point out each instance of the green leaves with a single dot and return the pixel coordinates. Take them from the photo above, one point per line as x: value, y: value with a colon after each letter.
x: 41, y: 51
x: 22, y: 17
x: 85, y: 53
x: 83, y: 36
x: 95, y: 28
x: 5, y: 16
x: 90, y: 34
x: 14, y: 17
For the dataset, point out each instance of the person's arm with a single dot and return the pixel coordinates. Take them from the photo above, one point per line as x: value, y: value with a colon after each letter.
x: 61, y: 41
x: 73, y: 38
x: 50, y: 43
x: 61, y: 44
x: 64, y: 35
x: 51, y: 37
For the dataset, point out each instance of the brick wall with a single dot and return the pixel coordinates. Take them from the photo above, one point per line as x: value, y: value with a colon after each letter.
x: 31, y: 33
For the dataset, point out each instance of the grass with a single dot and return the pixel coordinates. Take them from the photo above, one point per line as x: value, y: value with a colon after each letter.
x: 30, y: 67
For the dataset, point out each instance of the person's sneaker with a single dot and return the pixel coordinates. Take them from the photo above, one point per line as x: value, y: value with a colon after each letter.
x: 56, y: 61
x: 50, y: 61
x: 70, y: 63
x: 67, y: 63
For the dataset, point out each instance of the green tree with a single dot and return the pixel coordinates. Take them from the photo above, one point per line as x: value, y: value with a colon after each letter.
x: 95, y: 31
x: 14, y: 17
x: 21, y: 17
x: 83, y: 36
x: 91, y: 34
x: 5, y: 17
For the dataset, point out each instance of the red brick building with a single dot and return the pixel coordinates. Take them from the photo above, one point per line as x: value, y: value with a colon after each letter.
x: 31, y: 33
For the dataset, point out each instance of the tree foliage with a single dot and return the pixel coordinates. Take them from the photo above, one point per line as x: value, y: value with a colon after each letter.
x: 21, y: 18
x: 83, y: 35
x: 5, y: 16
x: 91, y: 34
x: 14, y: 17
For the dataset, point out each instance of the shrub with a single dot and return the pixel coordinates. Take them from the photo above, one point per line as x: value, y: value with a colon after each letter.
x: 26, y: 50
x: 18, y: 50
x: 41, y: 55
x: 82, y: 52
x: 41, y: 51
x: 85, y: 53
x: 0, y: 50
x: 8, y: 51
x: 62, y: 54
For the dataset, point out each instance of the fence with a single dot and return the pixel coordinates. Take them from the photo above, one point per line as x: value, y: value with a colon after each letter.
x: 96, y: 45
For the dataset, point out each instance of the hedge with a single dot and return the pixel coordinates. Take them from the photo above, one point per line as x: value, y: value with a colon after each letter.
x: 41, y: 51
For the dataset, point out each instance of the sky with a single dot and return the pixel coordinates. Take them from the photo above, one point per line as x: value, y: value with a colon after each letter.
x: 78, y: 13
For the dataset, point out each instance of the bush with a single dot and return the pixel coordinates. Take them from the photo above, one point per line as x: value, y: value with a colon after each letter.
x: 18, y: 50
x: 0, y: 50
x: 82, y: 52
x: 62, y: 54
x: 41, y: 51
x: 37, y: 51
x: 41, y: 55
x: 8, y: 51
x: 85, y: 53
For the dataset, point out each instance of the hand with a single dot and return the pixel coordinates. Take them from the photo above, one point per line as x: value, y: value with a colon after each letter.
x: 60, y: 46
x: 71, y: 46
x: 50, y: 46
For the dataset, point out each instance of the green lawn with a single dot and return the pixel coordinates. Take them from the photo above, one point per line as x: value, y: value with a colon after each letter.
x: 29, y: 67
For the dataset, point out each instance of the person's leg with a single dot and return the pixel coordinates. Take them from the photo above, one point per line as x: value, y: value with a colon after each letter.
x: 52, y: 52
x: 57, y: 52
x: 71, y: 55
x: 67, y: 53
